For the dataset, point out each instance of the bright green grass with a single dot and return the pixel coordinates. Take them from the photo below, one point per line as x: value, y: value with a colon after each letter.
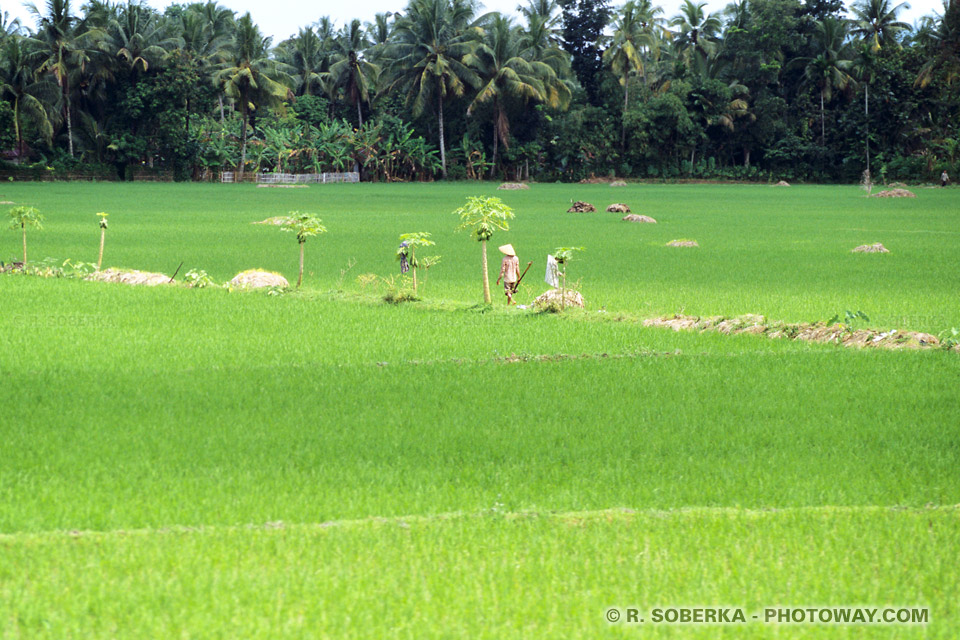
x: 781, y: 252
x: 128, y: 414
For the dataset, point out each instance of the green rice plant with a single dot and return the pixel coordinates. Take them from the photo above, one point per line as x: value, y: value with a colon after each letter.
x: 23, y: 217
x: 481, y: 216
x: 305, y: 225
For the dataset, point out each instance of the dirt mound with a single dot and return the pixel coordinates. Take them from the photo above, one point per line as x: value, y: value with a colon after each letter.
x: 595, y: 180
x: 552, y: 297
x: 283, y: 186
x: 276, y: 220
x: 870, y: 248
x: 782, y: 183
x: 7, y: 202
x: 618, y: 207
x: 897, y: 185
x: 810, y: 332
x: 581, y: 207
x: 256, y: 278
x: 895, y: 193
x: 635, y: 218
x: 130, y: 276
x: 618, y: 183
x: 513, y: 186
x: 683, y: 243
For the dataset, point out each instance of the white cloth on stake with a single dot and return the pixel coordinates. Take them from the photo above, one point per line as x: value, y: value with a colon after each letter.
x: 552, y: 277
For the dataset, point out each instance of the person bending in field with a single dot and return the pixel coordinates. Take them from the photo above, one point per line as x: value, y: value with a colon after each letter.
x: 509, y: 272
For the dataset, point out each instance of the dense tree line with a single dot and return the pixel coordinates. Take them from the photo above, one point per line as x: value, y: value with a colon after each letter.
x: 766, y: 89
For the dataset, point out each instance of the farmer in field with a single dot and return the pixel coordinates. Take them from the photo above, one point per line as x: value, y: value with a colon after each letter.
x: 944, y: 178
x: 509, y: 271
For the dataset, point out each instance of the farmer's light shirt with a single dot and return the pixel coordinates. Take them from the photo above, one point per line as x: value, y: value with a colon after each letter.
x: 510, y: 268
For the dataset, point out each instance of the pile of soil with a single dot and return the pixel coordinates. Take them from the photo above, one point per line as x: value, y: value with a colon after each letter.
x: 513, y: 186
x: 581, y: 207
x: 276, y: 220
x: 595, y: 180
x: 683, y: 243
x: 897, y: 185
x: 130, y: 276
x: 809, y: 332
x: 283, y: 186
x: 257, y: 278
x: 618, y: 183
x: 782, y: 183
x: 552, y: 298
x: 895, y: 193
x: 618, y: 207
x: 635, y: 218
x: 870, y: 248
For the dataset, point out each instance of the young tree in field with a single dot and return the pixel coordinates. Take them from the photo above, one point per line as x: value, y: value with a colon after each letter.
x: 482, y: 216
x: 24, y: 217
x: 305, y: 225
x: 103, y: 236
x: 563, y: 255
x: 408, y: 247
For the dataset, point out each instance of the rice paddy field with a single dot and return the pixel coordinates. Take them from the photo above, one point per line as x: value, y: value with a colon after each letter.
x: 208, y: 463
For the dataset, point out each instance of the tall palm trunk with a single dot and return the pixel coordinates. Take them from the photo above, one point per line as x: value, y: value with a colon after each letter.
x: 496, y: 136
x: 66, y: 99
x: 866, y: 110
x: 443, y: 151
x: 16, y: 126
x: 623, y: 119
x: 300, y: 274
x: 243, y: 135
x: 359, y: 114
x: 823, y: 128
x: 486, y: 277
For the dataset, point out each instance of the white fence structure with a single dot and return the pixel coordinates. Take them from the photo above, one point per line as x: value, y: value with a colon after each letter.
x: 292, y: 178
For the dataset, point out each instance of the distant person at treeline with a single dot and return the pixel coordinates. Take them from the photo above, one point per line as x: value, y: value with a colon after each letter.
x: 944, y: 178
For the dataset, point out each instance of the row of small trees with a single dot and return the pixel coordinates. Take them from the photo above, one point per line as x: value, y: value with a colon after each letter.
x: 480, y: 217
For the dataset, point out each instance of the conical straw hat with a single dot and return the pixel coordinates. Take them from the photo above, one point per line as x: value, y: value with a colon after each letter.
x: 508, y: 249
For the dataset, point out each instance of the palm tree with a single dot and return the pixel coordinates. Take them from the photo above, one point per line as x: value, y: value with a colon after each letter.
x: 351, y: 71
x: 20, y: 84
x: 306, y: 56
x: 59, y: 51
x: 481, y: 217
x: 429, y: 44
x: 138, y: 36
x: 865, y: 68
x: 632, y: 33
x: 945, y: 45
x: 507, y: 75
x: 876, y: 21
x: 828, y: 70
x: 250, y: 77
x: 208, y: 32
x: 697, y: 31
